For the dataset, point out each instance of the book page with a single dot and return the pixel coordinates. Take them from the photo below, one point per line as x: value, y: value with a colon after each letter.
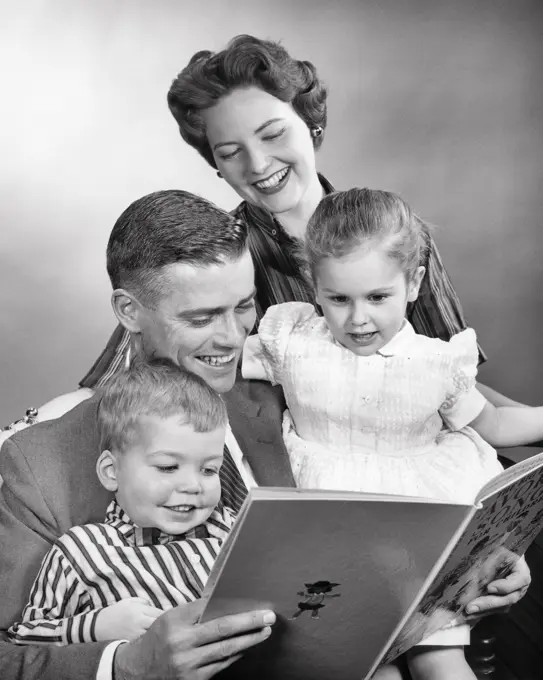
x: 499, y: 532
x: 508, y: 476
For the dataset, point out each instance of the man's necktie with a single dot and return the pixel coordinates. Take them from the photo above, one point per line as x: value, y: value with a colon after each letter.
x: 233, y: 487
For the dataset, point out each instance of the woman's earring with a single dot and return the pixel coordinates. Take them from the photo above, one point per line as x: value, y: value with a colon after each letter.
x: 316, y: 131
x: 219, y: 175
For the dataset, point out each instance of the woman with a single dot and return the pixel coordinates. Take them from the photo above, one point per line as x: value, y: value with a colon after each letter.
x: 258, y: 116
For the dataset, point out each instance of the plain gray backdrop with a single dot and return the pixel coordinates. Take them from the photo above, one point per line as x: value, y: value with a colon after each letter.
x: 440, y: 101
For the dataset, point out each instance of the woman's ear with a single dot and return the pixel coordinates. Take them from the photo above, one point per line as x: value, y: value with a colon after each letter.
x: 127, y: 309
x: 106, y: 469
x: 413, y: 286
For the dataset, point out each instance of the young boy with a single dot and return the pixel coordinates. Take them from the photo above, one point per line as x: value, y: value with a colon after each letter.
x: 162, y: 438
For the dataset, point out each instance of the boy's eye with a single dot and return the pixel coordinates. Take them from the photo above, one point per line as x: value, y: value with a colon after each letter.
x: 210, y: 471
x: 166, y: 468
x: 338, y: 299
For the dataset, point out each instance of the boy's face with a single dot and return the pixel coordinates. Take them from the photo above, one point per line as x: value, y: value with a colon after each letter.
x: 169, y: 477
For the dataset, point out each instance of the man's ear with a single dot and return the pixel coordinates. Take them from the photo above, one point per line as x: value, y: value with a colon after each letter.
x: 413, y: 286
x: 106, y: 469
x: 127, y: 309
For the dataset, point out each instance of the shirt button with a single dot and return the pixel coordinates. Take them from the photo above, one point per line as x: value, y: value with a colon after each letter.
x: 195, y: 559
x: 274, y: 232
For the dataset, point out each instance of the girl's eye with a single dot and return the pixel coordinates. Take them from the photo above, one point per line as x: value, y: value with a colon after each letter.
x: 338, y: 299
x: 166, y: 468
x: 210, y: 471
x: 378, y: 298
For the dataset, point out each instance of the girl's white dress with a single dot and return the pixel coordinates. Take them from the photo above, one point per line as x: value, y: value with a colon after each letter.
x: 394, y: 422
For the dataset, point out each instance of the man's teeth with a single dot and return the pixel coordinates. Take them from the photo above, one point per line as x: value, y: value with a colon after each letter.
x: 218, y: 360
x: 272, y: 181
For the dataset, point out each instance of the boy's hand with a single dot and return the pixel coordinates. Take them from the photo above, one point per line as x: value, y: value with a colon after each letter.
x: 125, y: 620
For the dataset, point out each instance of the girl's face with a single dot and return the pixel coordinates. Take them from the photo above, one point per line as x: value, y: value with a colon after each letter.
x: 262, y: 148
x: 364, y: 297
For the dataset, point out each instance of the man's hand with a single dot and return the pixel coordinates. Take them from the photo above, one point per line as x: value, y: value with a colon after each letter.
x: 127, y: 619
x: 177, y: 648
x: 503, y: 593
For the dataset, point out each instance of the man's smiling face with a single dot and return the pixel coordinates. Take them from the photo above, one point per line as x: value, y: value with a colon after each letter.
x: 202, y: 318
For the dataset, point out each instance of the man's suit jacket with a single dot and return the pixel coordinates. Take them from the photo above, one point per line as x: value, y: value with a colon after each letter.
x: 50, y: 485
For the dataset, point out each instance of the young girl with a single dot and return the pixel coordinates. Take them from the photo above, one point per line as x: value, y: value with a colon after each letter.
x: 372, y: 405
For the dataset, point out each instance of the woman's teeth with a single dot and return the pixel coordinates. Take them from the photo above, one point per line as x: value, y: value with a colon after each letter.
x: 218, y: 360
x: 272, y: 181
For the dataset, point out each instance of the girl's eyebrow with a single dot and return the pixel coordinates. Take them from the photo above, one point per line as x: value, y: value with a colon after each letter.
x: 382, y: 289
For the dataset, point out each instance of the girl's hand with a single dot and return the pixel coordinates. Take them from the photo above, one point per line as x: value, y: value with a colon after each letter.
x: 125, y: 620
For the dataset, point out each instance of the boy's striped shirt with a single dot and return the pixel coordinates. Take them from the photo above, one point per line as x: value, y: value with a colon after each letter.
x: 96, y: 565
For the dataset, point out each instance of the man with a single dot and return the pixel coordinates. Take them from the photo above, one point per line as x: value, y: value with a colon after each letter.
x: 183, y: 285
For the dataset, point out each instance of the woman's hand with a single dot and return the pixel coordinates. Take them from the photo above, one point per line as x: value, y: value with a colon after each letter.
x: 502, y: 593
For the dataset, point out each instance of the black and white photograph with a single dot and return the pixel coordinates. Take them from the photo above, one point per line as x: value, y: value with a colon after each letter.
x: 271, y: 295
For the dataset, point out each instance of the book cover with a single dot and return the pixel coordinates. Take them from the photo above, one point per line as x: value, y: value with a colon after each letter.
x: 356, y: 579
x: 340, y: 571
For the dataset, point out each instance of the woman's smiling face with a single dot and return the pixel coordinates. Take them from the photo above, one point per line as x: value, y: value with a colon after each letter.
x: 262, y: 148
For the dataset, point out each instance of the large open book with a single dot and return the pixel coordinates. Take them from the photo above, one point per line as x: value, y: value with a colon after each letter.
x: 356, y: 579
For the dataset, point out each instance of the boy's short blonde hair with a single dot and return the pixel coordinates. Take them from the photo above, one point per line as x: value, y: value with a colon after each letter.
x: 155, y: 388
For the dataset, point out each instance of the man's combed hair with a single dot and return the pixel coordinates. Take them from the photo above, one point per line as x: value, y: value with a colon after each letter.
x: 246, y: 62
x: 155, y: 388
x: 165, y: 228
x: 347, y: 220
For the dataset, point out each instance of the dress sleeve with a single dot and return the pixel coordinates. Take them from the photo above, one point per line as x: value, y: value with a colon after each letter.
x: 463, y: 402
x: 264, y: 353
x: 437, y: 312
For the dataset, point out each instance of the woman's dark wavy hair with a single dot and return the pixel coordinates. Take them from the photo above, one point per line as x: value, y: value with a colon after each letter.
x: 247, y: 61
